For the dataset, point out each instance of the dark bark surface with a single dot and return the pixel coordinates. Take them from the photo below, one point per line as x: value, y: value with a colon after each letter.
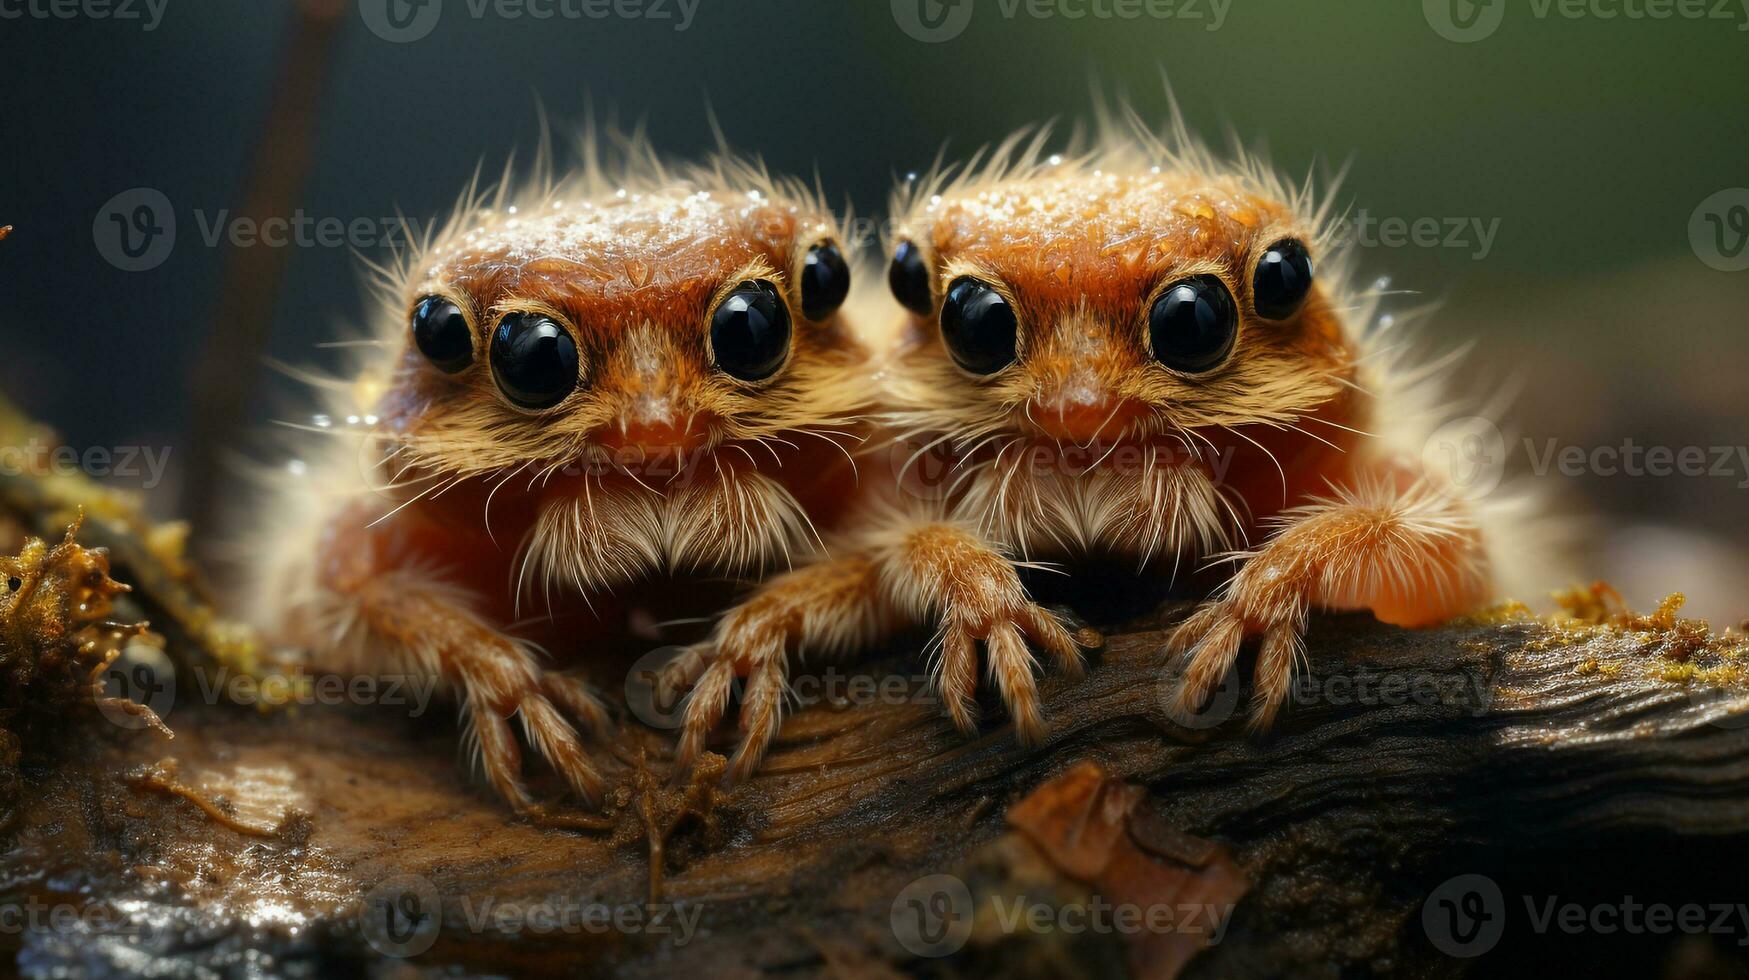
x: 1575, y: 763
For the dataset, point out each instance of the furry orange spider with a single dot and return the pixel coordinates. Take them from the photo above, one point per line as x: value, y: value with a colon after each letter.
x: 575, y: 396
x: 1141, y: 351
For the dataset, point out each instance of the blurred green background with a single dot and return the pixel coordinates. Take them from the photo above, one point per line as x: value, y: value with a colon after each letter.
x: 1585, y: 143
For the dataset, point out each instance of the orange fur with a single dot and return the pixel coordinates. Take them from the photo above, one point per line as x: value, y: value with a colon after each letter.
x: 1303, y: 448
x: 415, y: 538
x: 1304, y: 444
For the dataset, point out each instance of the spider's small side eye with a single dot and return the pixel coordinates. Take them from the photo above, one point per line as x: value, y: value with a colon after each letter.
x: 825, y: 281
x: 534, y: 360
x: 1282, y: 280
x: 441, y: 331
x: 978, y: 326
x: 908, y: 278
x: 750, y: 331
x: 1193, y: 324
x: 14, y: 583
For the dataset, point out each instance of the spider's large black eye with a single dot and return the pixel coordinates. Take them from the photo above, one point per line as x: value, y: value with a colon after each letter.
x: 750, y: 331
x: 1193, y: 324
x: 978, y: 326
x: 534, y: 360
x: 1282, y: 280
x: 825, y: 281
x: 441, y: 331
x: 908, y: 278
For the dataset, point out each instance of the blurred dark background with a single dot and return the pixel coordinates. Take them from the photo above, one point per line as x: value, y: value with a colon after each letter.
x: 1572, y: 152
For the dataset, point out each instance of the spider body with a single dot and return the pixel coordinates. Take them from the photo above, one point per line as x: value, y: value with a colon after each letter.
x: 577, y: 396
x: 1140, y: 351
